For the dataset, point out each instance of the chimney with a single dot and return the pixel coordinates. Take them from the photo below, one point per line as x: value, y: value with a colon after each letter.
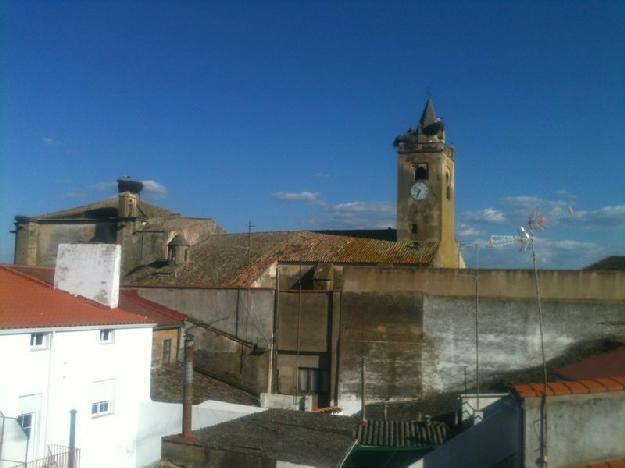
x: 89, y: 270
x: 187, y: 389
x: 128, y: 197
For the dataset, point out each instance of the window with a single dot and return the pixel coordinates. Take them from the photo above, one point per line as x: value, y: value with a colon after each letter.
x: 100, y: 408
x: 26, y: 422
x: 313, y: 380
x: 421, y: 171
x: 102, y: 397
x: 38, y: 340
x: 413, y: 228
x: 166, y: 359
x: 106, y: 336
x: 448, y: 183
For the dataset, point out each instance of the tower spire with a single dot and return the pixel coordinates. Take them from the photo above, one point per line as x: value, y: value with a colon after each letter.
x: 429, y: 114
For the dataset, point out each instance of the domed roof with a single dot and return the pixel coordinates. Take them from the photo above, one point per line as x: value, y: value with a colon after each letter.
x: 179, y: 239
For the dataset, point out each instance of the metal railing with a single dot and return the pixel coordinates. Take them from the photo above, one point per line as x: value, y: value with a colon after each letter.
x: 59, y: 456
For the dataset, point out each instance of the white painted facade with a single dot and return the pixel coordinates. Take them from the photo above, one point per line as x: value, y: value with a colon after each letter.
x: 73, y: 369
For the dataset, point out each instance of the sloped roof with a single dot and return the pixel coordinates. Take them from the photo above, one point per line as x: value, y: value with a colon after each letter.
x: 298, y: 437
x: 103, y: 209
x: 129, y: 299
x: 384, y: 433
x: 236, y: 260
x: 615, y: 262
x: 600, y: 366
x: 571, y: 387
x: 26, y: 302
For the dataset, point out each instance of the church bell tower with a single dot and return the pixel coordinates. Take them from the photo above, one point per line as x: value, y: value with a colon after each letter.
x: 425, y: 188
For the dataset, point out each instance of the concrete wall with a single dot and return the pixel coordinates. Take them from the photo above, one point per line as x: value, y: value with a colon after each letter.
x: 387, y: 330
x: 508, y: 335
x: 580, y: 428
x: 554, y: 284
x: 244, y: 314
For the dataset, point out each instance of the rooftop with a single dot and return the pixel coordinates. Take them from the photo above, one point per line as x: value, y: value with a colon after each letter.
x: 236, y: 260
x: 28, y: 303
x: 600, y: 366
x: 614, y: 262
x: 301, y: 438
x: 571, y: 387
x: 129, y: 299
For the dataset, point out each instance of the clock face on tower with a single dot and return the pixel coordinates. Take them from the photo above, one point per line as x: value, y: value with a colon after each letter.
x: 419, y: 191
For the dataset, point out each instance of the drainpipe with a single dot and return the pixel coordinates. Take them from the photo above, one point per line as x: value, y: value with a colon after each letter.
x: 71, y: 458
x: 187, y: 389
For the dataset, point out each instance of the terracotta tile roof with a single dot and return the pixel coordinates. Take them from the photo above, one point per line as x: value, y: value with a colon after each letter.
x: 602, y: 365
x: 608, y: 464
x: 612, y: 384
x: 129, y: 299
x: 236, y: 260
x: 26, y: 302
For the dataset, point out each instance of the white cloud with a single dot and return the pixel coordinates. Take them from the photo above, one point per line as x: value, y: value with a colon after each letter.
x: 75, y: 195
x: 102, y: 186
x: 487, y: 215
x: 358, y: 215
x: 604, y: 216
x: 308, y: 197
x: 50, y: 141
x: 154, y: 187
x: 466, y: 230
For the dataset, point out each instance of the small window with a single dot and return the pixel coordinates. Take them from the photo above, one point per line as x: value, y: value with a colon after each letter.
x: 448, y: 183
x: 38, y: 340
x: 26, y: 423
x: 421, y: 171
x: 106, y: 336
x: 166, y: 359
x: 413, y: 229
x: 100, y: 408
x: 313, y: 380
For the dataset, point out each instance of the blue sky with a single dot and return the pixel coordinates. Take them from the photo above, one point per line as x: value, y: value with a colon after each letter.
x: 285, y: 112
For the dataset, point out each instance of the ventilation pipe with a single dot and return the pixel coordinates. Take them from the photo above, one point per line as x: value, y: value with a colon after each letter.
x: 187, y: 389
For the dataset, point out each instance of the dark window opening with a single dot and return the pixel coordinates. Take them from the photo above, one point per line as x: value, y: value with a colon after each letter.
x: 421, y: 171
x: 413, y: 229
x: 26, y: 423
x: 166, y: 351
x: 448, y: 182
x: 313, y: 380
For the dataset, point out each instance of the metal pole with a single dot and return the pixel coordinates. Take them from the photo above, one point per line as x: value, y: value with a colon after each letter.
x: 477, y: 311
x: 543, y: 403
x: 71, y: 458
x: 187, y: 389
x: 363, y: 395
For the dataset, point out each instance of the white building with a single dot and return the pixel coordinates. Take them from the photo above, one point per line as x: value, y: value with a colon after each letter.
x: 60, y: 352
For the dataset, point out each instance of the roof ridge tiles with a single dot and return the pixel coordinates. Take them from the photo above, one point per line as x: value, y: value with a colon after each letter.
x: 571, y: 387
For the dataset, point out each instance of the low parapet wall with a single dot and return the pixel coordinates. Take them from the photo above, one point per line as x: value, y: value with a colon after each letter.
x: 554, y: 284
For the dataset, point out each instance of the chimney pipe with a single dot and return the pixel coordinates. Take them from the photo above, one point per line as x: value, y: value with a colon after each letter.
x: 187, y: 389
x: 71, y: 458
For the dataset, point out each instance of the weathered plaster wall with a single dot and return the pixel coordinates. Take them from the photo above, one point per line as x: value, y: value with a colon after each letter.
x: 508, y: 335
x: 158, y: 341
x: 386, y: 329
x: 580, y: 428
x: 49, y: 236
x: 554, y: 284
x: 244, y: 313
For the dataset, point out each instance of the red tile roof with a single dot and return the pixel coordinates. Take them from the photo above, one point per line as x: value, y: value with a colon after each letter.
x: 129, y: 299
x: 612, y: 384
x: 602, y: 365
x: 608, y: 464
x: 26, y: 302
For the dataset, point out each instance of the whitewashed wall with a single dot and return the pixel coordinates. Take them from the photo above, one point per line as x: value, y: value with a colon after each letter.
x: 61, y: 377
